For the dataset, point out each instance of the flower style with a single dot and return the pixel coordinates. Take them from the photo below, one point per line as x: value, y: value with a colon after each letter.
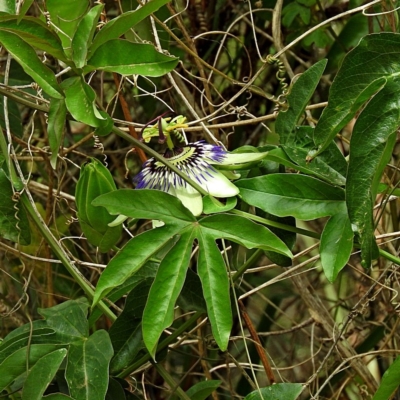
x: 195, y: 160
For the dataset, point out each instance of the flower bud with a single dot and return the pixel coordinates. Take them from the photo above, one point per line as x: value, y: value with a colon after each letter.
x: 94, y: 180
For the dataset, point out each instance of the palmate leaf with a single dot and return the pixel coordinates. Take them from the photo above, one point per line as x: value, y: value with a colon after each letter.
x: 181, y: 224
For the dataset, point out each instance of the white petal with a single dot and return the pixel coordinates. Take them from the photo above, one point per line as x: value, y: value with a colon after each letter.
x: 218, y: 185
x: 189, y: 197
x: 241, y: 158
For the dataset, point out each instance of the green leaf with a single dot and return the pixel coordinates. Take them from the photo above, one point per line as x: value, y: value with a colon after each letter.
x: 294, y: 195
x: 37, y: 336
x: 191, y: 297
x: 371, y: 146
x: 24, y: 9
x: 57, y: 396
x: 300, y: 94
x: 146, y: 204
x: 80, y: 101
x: 201, y: 390
x: 87, y: 368
x: 128, y: 351
x: 279, y: 391
x: 14, y: 224
x: 34, y: 32
x: 68, y: 319
x: 289, y: 238
x: 355, y: 28
x: 14, y: 117
x: 214, y: 279
x: 129, y: 58
x: 243, y: 231
x: 159, y: 311
x: 41, y: 375
x: 55, y: 128
x: 126, y: 332
x: 330, y: 165
x: 120, y: 25
x: 66, y: 15
x: 390, y: 382
x: 148, y: 271
x: 27, y: 58
x: 210, y: 206
x: 363, y: 72
x: 115, y: 390
x: 336, y: 245
x: 131, y: 258
x: 318, y: 167
x: 15, y: 365
x: 84, y: 35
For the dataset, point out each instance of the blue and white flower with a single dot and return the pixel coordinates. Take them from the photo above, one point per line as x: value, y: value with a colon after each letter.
x: 196, y: 161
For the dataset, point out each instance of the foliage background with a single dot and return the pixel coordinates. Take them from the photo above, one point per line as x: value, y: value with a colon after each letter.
x: 222, y: 46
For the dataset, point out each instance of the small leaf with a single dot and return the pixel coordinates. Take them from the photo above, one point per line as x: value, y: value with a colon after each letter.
x: 80, y: 101
x: 390, y: 382
x: 201, y: 390
x: 318, y: 167
x: 121, y: 24
x: 35, y: 33
x: 214, y: 279
x: 299, y: 196
x: 15, y: 365
x: 210, y: 206
x: 68, y: 319
x: 131, y: 258
x: 41, y: 375
x: 87, y: 368
x: 279, y: 391
x: 37, y: 336
x: 27, y: 58
x: 191, y: 297
x: 115, y: 390
x: 14, y: 118
x: 84, y: 35
x: 128, y: 351
x: 126, y: 332
x: 336, y: 245
x: 14, y: 224
x: 66, y: 15
x: 159, y: 311
x: 24, y: 9
x: 55, y: 129
x: 57, y: 396
x: 129, y: 58
x: 300, y: 94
